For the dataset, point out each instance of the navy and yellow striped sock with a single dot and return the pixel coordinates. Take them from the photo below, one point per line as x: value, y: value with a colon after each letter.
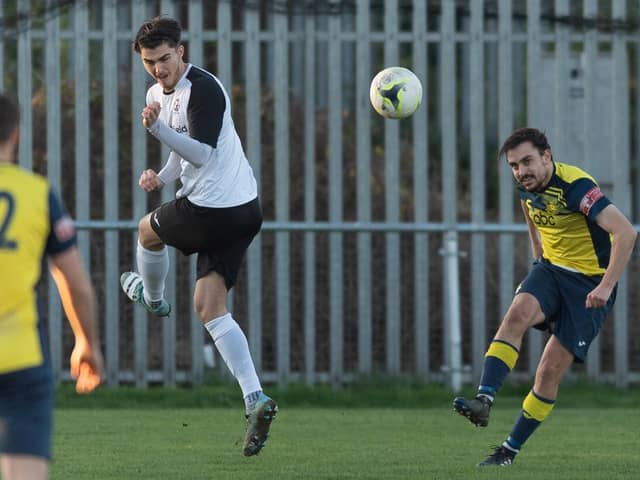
x: 498, y: 362
x: 534, y: 410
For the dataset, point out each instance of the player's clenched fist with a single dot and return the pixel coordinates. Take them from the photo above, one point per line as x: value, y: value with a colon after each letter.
x: 150, y: 114
x: 149, y: 181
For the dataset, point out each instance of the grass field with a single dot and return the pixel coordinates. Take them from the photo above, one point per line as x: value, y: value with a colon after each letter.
x: 134, y: 435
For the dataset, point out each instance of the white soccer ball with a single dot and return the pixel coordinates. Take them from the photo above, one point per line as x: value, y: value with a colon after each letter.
x: 395, y: 92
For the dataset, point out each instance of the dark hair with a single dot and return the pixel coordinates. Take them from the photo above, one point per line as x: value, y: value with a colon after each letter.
x: 9, y: 116
x: 537, y: 138
x: 157, y: 31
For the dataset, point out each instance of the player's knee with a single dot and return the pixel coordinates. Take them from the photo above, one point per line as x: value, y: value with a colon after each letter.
x: 207, y: 309
x: 517, y: 319
x: 525, y: 311
x: 146, y: 236
x: 143, y: 225
x: 143, y: 231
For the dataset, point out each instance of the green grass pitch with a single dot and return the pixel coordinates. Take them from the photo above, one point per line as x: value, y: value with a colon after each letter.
x: 339, y: 443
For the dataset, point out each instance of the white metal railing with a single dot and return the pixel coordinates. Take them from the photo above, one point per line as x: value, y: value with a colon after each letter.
x: 338, y: 198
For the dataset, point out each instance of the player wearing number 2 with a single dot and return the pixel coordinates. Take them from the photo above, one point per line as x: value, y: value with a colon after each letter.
x: 34, y: 225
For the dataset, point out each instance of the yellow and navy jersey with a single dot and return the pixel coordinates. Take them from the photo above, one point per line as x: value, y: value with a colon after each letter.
x: 33, y: 224
x: 564, y: 213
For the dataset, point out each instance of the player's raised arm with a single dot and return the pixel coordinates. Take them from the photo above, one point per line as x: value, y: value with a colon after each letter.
x: 192, y: 150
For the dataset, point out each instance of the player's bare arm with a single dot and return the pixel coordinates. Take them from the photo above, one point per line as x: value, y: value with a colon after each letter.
x: 624, y: 237
x: 534, y: 236
x: 78, y: 301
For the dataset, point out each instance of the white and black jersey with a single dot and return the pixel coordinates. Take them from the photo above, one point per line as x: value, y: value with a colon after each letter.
x: 206, y: 153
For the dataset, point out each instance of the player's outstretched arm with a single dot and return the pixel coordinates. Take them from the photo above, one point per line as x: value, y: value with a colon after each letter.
x: 79, y: 303
x: 623, y: 239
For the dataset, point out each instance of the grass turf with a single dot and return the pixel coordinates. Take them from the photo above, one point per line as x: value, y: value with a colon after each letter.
x: 360, y: 432
x: 321, y: 443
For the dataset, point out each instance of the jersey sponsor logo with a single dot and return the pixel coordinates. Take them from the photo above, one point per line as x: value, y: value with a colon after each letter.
x: 591, y: 197
x: 64, y: 229
x: 542, y: 219
x: 181, y: 129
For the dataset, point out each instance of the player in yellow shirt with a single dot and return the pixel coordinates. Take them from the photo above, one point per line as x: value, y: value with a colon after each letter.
x: 581, y: 244
x: 34, y: 226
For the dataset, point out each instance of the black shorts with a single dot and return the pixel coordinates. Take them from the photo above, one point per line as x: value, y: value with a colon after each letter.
x: 26, y: 412
x: 562, y: 294
x: 220, y: 236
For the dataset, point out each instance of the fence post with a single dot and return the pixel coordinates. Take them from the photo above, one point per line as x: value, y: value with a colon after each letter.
x: 111, y: 287
x: 282, y: 246
x: 451, y: 285
x: 421, y: 195
x: 54, y: 171
x: 310, y: 73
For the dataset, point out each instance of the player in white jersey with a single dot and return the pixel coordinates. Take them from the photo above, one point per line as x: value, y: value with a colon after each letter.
x: 216, y: 212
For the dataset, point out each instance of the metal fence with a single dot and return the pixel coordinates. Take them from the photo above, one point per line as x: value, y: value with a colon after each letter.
x: 389, y: 247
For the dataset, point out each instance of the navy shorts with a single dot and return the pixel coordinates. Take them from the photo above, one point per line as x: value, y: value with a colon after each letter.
x: 561, y: 294
x: 220, y: 236
x: 26, y: 412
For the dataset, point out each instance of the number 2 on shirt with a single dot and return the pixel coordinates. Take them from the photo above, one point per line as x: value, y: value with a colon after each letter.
x: 5, y: 243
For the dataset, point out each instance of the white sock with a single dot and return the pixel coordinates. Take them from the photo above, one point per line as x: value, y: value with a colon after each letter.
x: 153, y: 267
x: 234, y: 350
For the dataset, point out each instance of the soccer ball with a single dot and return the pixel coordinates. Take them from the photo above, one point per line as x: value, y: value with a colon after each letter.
x: 395, y: 92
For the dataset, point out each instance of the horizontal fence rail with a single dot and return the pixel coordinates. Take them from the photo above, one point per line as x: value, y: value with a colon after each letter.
x: 345, y: 227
